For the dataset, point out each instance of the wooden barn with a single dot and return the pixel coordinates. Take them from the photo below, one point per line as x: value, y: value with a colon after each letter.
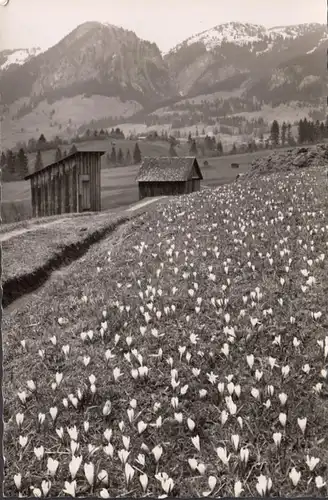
x: 168, y: 176
x: 71, y: 184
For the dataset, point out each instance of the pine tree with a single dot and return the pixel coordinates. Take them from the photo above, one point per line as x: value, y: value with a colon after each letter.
x: 113, y: 156
x: 38, y: 161
x: 261, y: 139
x: 290, y: 138
x: 10, y: 163
x: 3, y: 159
x: 322, y: 131
x: 208, y: 144
x: 193, y: 147
x: 120, y: 156
x: 233, y: 149
x: 137, y: 154
x: 22, y: 163
x: 317, y: 131
x: 301, y: 132
x: 283, y: 134
x: 274, y: 133
x: 73, y: 149
x: 128, y: 157
x: 189, y: 138
x: 172, y: 151
x: 42, y: 142
x: 58, y: 155
x: 219, y: 147
x: 17, y: 166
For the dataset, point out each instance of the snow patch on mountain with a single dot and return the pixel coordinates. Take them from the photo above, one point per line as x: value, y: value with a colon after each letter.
x: 292, y: 31
x: 237, y: 33
x: 245, y: 33
x: 20, y: 56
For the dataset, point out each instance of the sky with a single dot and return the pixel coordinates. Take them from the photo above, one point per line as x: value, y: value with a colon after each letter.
x: 43, y: 23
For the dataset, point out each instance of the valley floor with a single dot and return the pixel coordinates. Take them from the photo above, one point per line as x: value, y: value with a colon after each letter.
x: 184, y: 355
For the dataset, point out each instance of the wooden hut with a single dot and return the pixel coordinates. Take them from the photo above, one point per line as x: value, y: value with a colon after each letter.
x: 71, y: 184
x: 168, y: 176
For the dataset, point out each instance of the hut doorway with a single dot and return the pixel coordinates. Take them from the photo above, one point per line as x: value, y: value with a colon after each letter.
x: 85, y: 199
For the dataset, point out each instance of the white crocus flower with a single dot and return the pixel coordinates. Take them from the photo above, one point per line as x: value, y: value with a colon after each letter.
x: 18, y: 481
x: 238, y: 488
x: 74, y: 466
x: 89, y: 471
x: 70, y: 488
x: 223, y: 456
x: 302, y: 424
x: 52, y: 466
x: 157, y: 452
x: 143, y: 478
x: 128, y: 472
x: 294, y: 476
x: 263, y: 485
x: 312, y: 462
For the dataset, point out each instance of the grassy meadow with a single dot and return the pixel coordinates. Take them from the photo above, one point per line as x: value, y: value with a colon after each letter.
x: 118, y: 184
x: 184, y: 356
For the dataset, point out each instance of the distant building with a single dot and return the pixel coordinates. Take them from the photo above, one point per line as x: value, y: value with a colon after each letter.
x: 168, y: 176
x: 71, y: 184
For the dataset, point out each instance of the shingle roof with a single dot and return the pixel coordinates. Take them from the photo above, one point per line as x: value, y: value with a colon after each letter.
x: 167, y: 169
x: 71, y: 155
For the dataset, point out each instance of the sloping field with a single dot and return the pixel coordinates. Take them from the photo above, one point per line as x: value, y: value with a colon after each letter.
x: 188, y: 357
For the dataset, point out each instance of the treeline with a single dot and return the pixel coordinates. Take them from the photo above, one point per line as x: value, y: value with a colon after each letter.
x: 42, y: 144
x: 308, y: 132
x: 117, y: 158
x: 113, y: 158
x: 189, y: 113
x: 14, y: 166
x: 208, y: 146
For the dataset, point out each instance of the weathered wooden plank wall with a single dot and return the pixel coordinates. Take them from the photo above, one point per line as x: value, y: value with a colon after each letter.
x: 151, y: 189
x: 57, y: 190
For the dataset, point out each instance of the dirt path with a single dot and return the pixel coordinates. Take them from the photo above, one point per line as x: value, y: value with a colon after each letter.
x: 141, y: 204
x: 35, y: 227
x: 32, y: 227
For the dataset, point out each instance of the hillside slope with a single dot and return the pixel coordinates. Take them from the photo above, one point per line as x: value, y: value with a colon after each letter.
x: 185, y: 358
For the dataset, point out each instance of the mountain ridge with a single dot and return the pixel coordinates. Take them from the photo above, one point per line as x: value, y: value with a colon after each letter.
x: 270, y: 65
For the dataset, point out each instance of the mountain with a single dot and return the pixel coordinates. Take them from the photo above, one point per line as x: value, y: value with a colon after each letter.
x: 245, y: 51
x: 94, y: 59
x: 100, y: 75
